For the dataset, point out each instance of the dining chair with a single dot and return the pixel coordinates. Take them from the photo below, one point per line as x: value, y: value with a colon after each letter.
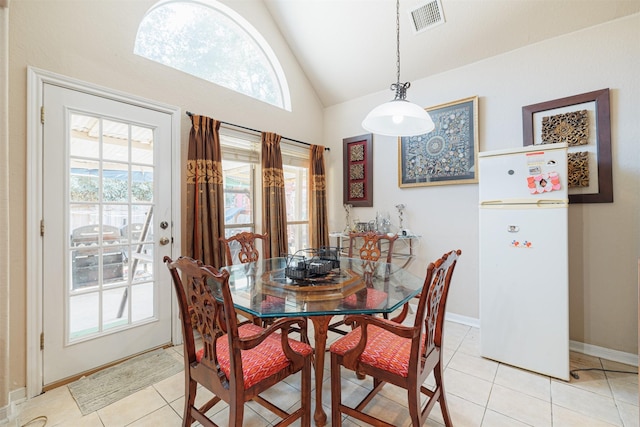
x: 245, y: 243
x: 401, y: 355
x: 370, y: 252
x: 237, y: 362
x: 248, y: 250
x: 371, y: 248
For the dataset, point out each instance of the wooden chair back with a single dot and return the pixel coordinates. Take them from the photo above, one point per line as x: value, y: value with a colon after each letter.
x: 226, y: 363
x: 371, y: 248
x: 378, y: 347
x: 248, y: 247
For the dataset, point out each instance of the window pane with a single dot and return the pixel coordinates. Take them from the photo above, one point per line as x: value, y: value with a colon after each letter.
x: 298, y: 237
x: 238, y: 192
x: 297, y: 199
x: 213, y: 42
x: 296, y: 183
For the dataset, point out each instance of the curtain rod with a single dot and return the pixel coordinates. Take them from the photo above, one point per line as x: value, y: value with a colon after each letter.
x: 189, y: 113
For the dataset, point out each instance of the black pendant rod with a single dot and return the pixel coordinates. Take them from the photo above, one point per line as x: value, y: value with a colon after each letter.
x: 189, y: 113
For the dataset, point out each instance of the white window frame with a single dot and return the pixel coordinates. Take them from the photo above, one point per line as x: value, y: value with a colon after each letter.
x: 245, y: 26
x: 245, y: 146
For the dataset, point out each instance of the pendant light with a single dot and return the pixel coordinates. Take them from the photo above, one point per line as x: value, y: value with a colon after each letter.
x: 398, y: 117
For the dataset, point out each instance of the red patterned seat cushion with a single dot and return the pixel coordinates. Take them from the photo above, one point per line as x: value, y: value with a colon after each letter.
x: 375, y: 298
x: 272, y: 303
x: 259, y: 362
x: 384, y: 349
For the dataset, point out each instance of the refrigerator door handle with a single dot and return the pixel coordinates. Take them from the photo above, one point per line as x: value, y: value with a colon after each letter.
x: 559, y: 203
x: 532, y: 202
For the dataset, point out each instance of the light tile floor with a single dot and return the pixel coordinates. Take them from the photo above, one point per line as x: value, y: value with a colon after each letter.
x: 480, y: 392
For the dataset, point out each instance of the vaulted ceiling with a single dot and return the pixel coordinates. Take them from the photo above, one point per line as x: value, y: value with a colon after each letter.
x: 347, y: 48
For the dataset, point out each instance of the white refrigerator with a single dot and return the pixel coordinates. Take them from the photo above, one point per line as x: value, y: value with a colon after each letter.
x: 524, y: 276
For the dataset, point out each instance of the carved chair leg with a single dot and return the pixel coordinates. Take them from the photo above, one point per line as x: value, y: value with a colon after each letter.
x: 442, y: 400
x: 336, y: 393
x: 189, y: 401
x: 236, y: 414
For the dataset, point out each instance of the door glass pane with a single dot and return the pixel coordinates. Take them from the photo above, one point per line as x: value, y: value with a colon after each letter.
x: 115, y: 141
x: 141, y: 217
x: 141, y: 145
x: 142, y: 184
x: 84, y: 182
x: 84, y: 140
x: 115, y: 182
x: 142, y: 301
x: 114, y: 308
x: 83, y: 315
x: 110, y: 225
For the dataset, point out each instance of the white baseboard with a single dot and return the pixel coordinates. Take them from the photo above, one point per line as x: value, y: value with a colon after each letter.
x: 588, y: 349
x: 9, y: 413
x: 464, y: 320
x: 605, y: 353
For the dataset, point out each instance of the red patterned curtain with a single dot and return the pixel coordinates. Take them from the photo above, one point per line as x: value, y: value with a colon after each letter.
x: 205, y: 193
x: 319, y: 226
x: 273, y: 196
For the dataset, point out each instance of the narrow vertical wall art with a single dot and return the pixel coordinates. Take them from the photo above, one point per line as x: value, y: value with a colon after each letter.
x: 358, y: 176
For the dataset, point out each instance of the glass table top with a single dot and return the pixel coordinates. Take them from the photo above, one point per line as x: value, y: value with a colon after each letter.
x: 263, y: 289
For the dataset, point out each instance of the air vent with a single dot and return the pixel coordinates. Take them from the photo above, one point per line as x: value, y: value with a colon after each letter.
x: 427, y: 15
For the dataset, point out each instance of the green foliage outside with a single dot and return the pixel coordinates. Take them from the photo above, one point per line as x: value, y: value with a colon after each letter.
x: 86, y: 189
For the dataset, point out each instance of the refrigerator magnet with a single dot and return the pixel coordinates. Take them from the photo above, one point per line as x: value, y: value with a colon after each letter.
x: 544, y: 183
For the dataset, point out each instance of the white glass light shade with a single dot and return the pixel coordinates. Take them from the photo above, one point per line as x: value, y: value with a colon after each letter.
x: 398, y: 118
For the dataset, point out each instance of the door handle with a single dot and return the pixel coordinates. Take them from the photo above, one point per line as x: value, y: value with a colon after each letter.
x: 164, y: 241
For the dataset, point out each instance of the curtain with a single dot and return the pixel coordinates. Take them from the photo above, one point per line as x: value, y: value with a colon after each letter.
x: 205, y: 193
x: 319, y: 226
x: 274, y: 212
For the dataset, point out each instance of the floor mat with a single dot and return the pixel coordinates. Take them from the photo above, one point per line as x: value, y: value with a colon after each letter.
x: 112, y: 384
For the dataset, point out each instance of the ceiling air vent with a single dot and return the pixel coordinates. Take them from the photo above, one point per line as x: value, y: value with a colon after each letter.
x: 427, y: 15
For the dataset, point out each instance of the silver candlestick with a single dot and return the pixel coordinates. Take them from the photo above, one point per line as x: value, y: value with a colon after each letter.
x: 347, y: 210
x: 400, y: 208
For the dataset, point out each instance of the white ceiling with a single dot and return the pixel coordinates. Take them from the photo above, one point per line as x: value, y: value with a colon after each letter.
x: 347, y: 48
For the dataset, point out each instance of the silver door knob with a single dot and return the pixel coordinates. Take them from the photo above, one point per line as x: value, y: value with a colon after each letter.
x: 164, y: 241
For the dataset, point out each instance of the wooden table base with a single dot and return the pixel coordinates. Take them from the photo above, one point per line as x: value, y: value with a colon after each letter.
x: 320, y: 326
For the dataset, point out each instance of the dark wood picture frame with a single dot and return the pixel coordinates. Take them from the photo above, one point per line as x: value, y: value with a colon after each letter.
x: 446, y: 155
x: 600, y: 101
x: 358, y: 174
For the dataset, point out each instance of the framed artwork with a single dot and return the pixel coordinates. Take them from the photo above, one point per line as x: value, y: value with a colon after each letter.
x: 583, y: 122
x: 358, y: 176
x: 446, y: 155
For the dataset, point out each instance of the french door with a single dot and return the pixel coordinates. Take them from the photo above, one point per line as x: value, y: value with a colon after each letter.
x: 106, y: 227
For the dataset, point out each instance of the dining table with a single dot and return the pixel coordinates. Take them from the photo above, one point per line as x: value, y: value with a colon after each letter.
x: 283, y: 287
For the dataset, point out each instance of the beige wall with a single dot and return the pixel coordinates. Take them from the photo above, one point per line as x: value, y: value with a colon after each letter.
x: 93, y: 41
x: 603, y: 237
x: 4, y: 208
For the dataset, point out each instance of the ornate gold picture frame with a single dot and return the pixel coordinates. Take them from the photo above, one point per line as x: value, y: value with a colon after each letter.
x: 583, y: 122
x: 446, y: 155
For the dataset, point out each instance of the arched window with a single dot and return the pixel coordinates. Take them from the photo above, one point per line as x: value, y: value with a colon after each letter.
x: 209, y: 40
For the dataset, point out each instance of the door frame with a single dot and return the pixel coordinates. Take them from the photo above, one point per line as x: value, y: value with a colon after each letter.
x: 36, y: 78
